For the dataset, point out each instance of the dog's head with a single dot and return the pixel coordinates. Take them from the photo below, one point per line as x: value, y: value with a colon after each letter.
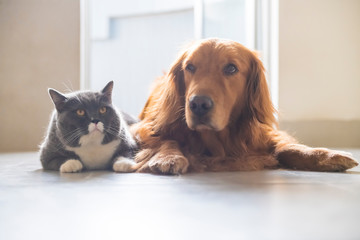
x: 221, y: 81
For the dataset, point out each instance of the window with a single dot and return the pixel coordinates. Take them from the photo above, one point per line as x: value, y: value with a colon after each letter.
x: 134, y: 42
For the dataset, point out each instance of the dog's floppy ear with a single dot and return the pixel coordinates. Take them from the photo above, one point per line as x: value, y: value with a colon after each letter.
x: 165, y: 104
x: 172, y: 97
x: 258, y: 100
x: 176, y: 75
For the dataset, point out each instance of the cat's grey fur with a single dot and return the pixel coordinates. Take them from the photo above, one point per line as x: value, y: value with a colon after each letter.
x: 81, y: 136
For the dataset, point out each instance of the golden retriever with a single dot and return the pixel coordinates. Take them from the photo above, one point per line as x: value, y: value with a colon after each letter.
x: 212, y: 112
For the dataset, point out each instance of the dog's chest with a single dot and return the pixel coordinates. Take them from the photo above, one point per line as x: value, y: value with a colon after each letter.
x: 93, y: 154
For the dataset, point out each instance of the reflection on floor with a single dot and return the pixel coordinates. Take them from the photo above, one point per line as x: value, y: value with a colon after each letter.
x: 274, y: 204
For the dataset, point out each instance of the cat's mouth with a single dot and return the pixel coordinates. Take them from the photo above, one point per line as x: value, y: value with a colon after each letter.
x: 96, y: 127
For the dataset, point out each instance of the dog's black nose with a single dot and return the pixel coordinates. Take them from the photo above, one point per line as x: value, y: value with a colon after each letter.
x: 200, y: 105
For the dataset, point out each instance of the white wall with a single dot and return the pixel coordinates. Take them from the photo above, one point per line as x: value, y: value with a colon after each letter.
x: 319, y: 44
x: 39, y: 48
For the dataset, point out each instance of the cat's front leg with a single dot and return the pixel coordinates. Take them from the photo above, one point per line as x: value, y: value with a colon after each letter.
x: 71, y: 166
x: 123, y: 164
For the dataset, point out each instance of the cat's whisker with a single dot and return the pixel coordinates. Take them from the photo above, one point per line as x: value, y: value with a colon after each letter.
x: 111, y: 128
x: 69, y: 138
x: 73, y: 135
x: 111, y: 132
x: 68, y: 88
x: 73, y: 131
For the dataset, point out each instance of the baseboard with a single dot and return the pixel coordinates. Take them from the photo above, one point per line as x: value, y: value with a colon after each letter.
x: 325, y: 133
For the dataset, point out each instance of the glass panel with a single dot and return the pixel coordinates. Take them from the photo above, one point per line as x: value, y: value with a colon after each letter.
x: 139, y: 49
x: 226, y: 19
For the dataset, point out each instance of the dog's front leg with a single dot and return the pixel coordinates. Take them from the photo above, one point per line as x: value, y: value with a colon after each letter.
x: 246, y: 162
x: 167, y: 159
x: 301, y: 157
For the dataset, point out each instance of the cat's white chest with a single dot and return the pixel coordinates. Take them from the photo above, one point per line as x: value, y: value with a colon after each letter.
x: 92, y: 153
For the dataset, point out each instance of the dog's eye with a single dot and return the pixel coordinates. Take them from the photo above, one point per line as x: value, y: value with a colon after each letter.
x: 230, y: 69
x: 191, y: 68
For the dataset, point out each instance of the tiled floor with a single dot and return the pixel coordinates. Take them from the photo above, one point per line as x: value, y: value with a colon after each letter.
x: 274, y: 204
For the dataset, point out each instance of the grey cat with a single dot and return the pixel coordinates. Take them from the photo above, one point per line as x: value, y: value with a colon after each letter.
x: 87, y: 132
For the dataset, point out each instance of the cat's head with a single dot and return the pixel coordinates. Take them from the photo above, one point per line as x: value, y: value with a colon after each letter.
x: 85, y: 113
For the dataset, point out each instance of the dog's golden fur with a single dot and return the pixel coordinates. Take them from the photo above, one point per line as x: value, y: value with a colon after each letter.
x: 239, y: 133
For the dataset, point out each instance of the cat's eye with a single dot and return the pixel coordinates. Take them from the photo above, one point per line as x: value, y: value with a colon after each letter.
x: 102, y: 110
x: 80, y: 112
x: 230, y: 69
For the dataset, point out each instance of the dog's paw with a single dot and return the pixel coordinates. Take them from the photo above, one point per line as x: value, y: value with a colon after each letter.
x: 169, y: 164
x: 269, y: 162
x: 337, y: 161
x: 124, y: 165
x: 301, y: 157
x: 71, y: 166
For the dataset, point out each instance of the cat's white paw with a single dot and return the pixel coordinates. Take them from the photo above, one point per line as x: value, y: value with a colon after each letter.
x: 70, y: 166
x: 123, y: 164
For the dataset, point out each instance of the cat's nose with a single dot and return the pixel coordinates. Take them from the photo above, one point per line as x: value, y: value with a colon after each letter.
x: 95, y: 121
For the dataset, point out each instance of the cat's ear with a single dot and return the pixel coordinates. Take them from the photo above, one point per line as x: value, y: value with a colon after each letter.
x: 58, y: 99
x: 107, y: 91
